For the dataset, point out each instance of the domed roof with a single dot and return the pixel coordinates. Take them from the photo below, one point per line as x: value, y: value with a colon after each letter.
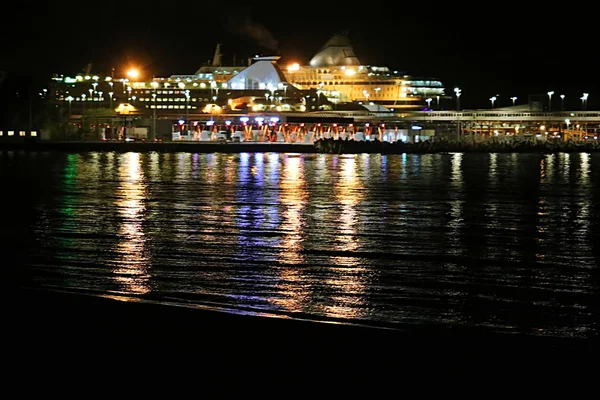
x: 337, y: 51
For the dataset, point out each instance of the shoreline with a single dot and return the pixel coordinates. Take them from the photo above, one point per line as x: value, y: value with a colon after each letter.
x: 44, y: 320
x: 327, y: 146
x: 187, y: 147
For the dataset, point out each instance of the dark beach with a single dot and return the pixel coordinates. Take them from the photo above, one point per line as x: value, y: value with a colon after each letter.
x: 72, y: 323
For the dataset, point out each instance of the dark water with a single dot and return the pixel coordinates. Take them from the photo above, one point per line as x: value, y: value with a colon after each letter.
x: 505, y: 242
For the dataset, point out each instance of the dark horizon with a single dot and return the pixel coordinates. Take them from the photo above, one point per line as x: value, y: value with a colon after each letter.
x: 503, y: 53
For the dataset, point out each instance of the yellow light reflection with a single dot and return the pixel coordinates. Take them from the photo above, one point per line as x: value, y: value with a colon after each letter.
x: 566, y: 164
x: 492, y: 208
x: 583, y: 208
x: 348, y: 279
x: 131, y: 270
x: 456, y: 204
x: 293, y: 199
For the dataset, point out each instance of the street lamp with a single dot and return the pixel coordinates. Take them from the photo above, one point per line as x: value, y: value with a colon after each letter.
x: 110, y: 94
x: 154, y: 115
x: 187, y: 110
x: 550, y: 100
x: 562, y: 102
x: 493, y: 100
x: 584, y: 101
x: 428, y: 100
x: 458, y: 92
x: 70, y: 99
x: 437, y: 101
x: 129, y: 92
x: 568, y: 122
x: 82, y: 111
x: 513, y: 100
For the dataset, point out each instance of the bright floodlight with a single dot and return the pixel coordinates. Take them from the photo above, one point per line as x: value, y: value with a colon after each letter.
x: 550, y: 93
x: 133, y: 73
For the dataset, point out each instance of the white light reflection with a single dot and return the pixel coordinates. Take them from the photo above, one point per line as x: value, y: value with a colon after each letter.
x: 131, y: 269
x: 273, y: 165
x: 566, y: 165
x: 212, y: 170
x: 293, y: 199
x: 585, y: 189
x: 456, y: 204
x: 349, y: 278
x: 492, y: 207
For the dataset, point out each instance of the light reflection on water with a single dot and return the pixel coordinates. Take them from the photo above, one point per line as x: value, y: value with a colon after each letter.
x: 131, y: 269
x: 502, y: 241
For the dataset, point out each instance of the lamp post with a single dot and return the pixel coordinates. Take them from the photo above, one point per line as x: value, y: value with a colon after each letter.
x: 83, y: 111
x: 110, y: 95
x: 584, y: 101
x: 550, y: 100
x: 562, y: 102
x: 154, y: 85
x: 437, y: 101
x: 154, y: 115
x: 70, y: 99
x: 514, y: 99
x: 493, y: 100
x: 458, y: 92
x: 428, y: 100
x: 187, y: 110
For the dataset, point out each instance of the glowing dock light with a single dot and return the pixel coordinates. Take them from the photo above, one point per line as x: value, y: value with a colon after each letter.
x: 210, y: 123
x: 416, y: 128
x: 181, y: 122
x: 259, y: 119
x: 274, y: 119
x: 244, y: 119
x: 133, y: 73
x: 294, y: 67
x: 227, y: 123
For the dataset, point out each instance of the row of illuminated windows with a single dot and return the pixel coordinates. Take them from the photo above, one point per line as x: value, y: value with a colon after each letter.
x: 171, y: 107
x: 314, y: 83
x: 21, y: 133
x: 171, y: 99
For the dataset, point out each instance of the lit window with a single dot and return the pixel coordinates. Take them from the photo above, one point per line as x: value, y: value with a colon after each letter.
x: 33, y: 133
x: 21, y: 133
x: 11, y: 133
x: 1, y: 133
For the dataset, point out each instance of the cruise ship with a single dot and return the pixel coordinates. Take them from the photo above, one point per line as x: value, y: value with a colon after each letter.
x: 334, y: 79
x: 337, y: 72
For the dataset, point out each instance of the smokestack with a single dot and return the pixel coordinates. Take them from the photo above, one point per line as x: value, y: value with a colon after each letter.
x: 249, y: 61
x: 217, y: 57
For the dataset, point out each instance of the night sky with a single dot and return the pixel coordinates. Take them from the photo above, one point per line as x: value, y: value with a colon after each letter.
x: 488, y: 48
